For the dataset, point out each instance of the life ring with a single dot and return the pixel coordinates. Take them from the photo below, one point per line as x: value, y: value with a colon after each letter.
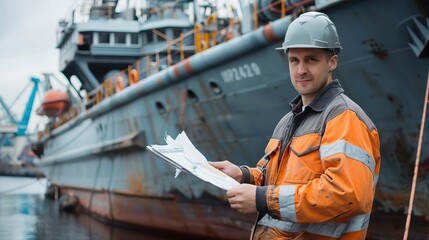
x: 133, y: 76
x: 119, y: 83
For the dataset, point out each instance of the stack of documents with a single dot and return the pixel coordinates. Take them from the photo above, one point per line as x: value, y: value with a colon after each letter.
x: 183, y: 155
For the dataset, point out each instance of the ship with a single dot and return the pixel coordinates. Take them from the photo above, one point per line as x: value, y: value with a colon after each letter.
x: 211, y: 69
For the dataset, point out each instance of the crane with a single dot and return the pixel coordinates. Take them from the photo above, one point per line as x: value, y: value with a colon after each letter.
x: 15, y: 131
x: 23, y: 124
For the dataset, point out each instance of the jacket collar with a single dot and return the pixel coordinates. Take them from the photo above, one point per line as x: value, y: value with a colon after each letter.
x: 327, y: 94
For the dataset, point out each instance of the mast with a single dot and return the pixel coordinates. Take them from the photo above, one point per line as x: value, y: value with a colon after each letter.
x: 246, y: 22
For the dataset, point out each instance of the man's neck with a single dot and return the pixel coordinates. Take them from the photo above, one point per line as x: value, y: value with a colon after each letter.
x: 306, y: 99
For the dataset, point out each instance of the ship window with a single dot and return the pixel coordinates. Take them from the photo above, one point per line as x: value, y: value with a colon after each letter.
x: 149, y: 36
x: 134, y: 38
x: 215, y: 88
x: 85, y: 40
x: 192, y: 97
x: 160, y: 107
x: 103, y: 37
x: 120, y: 38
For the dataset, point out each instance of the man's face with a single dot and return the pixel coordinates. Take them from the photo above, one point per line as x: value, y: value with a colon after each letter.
x: 310, y: 70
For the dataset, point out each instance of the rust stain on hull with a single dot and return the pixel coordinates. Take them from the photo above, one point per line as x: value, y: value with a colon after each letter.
x: 186, y: 218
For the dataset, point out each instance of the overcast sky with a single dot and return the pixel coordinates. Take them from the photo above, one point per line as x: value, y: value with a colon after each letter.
x: 27, y: 46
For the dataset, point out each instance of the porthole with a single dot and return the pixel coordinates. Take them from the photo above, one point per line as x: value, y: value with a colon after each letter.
x: 160, y: 107
x: 192, y: 97
x: 216, y: 89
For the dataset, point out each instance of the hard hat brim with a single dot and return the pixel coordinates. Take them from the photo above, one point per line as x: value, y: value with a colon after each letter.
x: 284, y: 49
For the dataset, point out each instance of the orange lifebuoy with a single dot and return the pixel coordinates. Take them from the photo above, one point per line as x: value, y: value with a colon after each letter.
x: 133, y: 76
x: 119, y: 83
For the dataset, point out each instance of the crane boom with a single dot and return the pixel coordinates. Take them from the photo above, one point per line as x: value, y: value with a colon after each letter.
x: 22, y: 125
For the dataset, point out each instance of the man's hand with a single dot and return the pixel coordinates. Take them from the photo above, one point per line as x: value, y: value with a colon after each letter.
x: 229, y: 169
x: 243, y: 198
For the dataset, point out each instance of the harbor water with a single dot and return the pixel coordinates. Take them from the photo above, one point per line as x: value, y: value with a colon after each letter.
x: 26, y: 214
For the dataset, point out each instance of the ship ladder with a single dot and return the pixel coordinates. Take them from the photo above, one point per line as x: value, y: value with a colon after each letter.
x: 416, y: 165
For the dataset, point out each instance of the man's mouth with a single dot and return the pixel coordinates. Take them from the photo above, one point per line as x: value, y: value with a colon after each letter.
x: 303, y: 80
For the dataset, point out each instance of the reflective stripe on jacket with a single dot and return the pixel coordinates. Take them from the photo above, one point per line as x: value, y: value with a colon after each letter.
x: 323, y: 166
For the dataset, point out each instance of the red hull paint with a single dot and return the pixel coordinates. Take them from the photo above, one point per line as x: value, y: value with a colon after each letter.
x: 182, y: 216
x: 189, y: 218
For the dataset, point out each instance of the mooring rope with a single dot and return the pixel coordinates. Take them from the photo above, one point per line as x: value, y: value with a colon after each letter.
x: 416, y: 165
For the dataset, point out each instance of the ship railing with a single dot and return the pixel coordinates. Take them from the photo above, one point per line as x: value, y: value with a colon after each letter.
x: 71, y: 113
x: 205, y: 36
x: 118, y: 83
x: 170, y: 42
x: 284, y: 10
x: 115, y: 85
x: 270, y: 6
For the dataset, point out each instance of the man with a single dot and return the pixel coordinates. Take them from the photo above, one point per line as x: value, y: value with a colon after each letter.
x: 321, y: 165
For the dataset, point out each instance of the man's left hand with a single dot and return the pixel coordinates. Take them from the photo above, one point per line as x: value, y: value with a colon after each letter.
x: 243, y: 198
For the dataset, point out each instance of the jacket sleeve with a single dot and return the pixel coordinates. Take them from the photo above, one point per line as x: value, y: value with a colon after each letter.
x: 350, y: 158
x: 256, y: 175
x: 253, y: 175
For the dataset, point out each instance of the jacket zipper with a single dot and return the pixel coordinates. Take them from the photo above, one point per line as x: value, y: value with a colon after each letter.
x: 290, y: 133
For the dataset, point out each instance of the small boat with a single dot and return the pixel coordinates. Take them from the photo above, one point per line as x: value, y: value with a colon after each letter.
x: 54, y: 103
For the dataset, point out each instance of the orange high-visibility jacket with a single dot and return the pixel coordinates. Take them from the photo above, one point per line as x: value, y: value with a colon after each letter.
x: 318, y: 176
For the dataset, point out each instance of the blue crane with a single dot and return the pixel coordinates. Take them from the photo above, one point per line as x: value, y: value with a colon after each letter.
x: 22, y: 125
x: 14, y: 134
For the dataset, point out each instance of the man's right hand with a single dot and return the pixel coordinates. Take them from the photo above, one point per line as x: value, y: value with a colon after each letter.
x: 229, y: 169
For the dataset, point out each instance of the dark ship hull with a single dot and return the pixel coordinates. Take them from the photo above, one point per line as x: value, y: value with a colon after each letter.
x: 228, y: 99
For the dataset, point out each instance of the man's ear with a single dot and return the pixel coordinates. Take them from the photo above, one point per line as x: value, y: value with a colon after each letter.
x: 333, y: 62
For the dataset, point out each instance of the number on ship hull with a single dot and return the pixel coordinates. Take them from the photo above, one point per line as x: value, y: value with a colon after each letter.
x: 242, y: 72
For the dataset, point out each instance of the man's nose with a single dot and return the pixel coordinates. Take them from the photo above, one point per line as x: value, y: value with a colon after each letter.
x: 302, y: 69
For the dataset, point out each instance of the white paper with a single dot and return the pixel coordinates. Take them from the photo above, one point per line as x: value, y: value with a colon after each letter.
x: 183, y: 155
